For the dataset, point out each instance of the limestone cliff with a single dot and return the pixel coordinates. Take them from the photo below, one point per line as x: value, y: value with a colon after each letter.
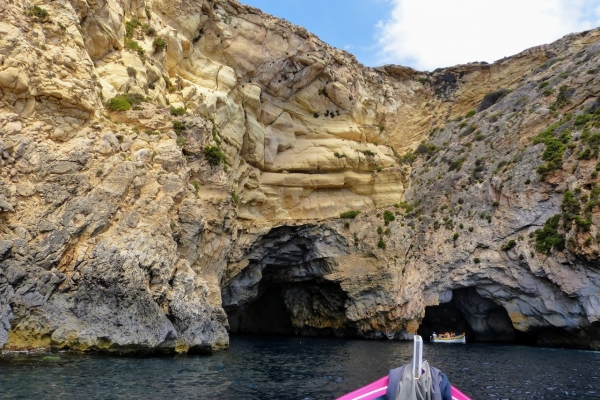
x: 174, y: 169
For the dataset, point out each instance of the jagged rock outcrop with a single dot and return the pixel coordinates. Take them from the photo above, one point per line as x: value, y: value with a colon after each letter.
x: 167, y: 165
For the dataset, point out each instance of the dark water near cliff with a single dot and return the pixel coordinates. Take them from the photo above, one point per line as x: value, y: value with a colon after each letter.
x: 299, y: 368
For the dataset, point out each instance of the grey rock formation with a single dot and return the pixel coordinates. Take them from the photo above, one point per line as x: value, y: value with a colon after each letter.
x: 213, y: 203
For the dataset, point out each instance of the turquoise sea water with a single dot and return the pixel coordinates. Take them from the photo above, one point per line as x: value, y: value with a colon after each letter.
x: 299, y: 368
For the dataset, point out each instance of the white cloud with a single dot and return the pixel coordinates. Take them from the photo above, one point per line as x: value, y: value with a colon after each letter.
x: 428, y: 34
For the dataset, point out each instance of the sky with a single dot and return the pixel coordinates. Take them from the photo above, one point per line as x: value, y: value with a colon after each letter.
x: 429, y: 34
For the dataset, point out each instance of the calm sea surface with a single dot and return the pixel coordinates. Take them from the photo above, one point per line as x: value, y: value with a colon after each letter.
x: 299, y: 368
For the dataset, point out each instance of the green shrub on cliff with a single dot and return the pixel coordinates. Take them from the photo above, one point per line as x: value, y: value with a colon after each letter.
x: 509, y: 245
x: 427, y: 149
x: 563, y: 97
x: 159, y: 43
x: 118, y: 103
x: 130, y: 27
x: 214, y: 155
x: 133, y: 45
x: 456, y: 165
x: 555, y: 148
x: 368, y: 153
x: 179, y: 126
x: 548, y: 237
x: 179, y: 111
x: 388, y: 217
x: 37, y: 12
x: 349, y: 214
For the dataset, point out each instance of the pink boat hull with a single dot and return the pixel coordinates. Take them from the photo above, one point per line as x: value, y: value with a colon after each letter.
x: 379, y: 387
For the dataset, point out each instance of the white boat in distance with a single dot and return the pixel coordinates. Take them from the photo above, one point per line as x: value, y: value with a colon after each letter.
x: 455, y: 339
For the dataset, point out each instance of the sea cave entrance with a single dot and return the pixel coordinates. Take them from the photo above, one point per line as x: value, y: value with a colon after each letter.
x: 283, y: 289
x: 480, y: 318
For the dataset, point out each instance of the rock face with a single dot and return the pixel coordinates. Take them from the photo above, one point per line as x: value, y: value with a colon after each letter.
x: 211, y: 201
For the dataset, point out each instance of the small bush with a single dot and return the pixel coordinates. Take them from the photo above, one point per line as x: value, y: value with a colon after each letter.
x: 408, y: 158
x: 349, y: 214
x: 379, y: 230
x: 456, y: 165
x: 555, y: 149
x: 37, y: 12
x: 159, y: 43
x: 130, y: 27
x: 583, y: 119
x: 118, y: 103
x: 543, y: 84
x: 368, y: 153
x: 509, y: 245
x: 564, y: 96
x: 583, y: 224
x: 179, y: 126
x: 476, y: 260
x: 214, y: 155
x: 428, y: 149
x: 381, y: 244
x: 455, y: 236
x: 131, y: 72
x: 471, y: 113
x: 547, y: 92
x: 179, y: 111
x: 338, y: 155
x: 548, y: 237
x: 585, y: 154
x: 235, y: 197
x: 133, y: 45
x: 388, y: 217
x: 196, y: 186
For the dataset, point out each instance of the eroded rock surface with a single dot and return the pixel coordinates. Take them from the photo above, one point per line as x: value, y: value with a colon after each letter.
x: 218, y: 193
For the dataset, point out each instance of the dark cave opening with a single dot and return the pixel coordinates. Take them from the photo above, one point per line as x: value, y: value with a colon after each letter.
x: 266, y: 315
x: 444, y: 318
x: 308, y: 308
x: 480, y: 318
x: 284, y: 289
